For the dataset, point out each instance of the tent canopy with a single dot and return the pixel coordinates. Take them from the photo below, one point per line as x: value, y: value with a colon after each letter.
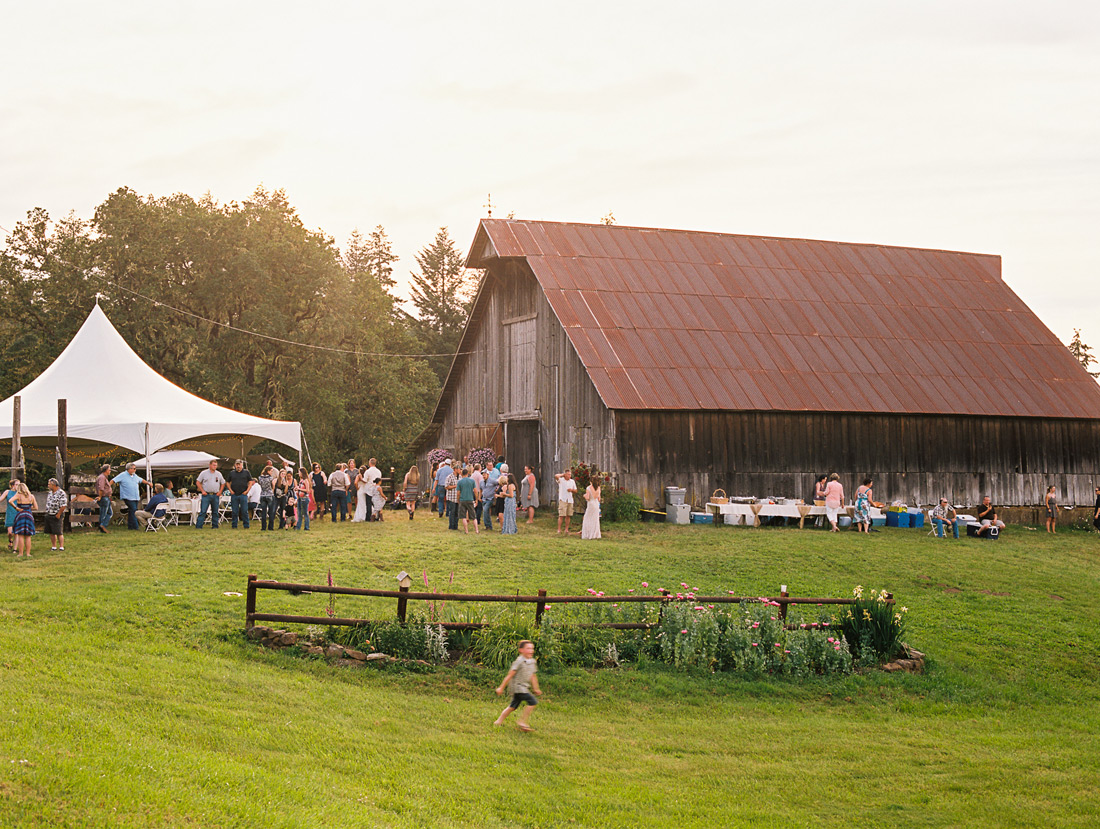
x: 116, y: 401
x: 176, y: 460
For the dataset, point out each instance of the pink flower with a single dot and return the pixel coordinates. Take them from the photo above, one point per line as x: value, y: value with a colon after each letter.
x: 836, y: 648
x: 645, y: 584
x: 684, y: 630
x: 831, y: 640
x: 755, y: 644
x: 683, y: 584
x: 786, y: 651
x: 590, y: 590
x: 631, y: 590
x: 699, y: 607
x: 825, y: 624
x: 695, y: 590
x: 802, y: 626
x: 777, y: 644
x: 730, y: 592
x: 710, y: 606
x: 756, y: 624
x: 679, y: 595
x: 600, y: 593
x: 773, y: 618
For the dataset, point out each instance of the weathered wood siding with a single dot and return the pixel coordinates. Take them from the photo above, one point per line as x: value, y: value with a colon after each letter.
x: 913, y: 458
x: 523, y: 367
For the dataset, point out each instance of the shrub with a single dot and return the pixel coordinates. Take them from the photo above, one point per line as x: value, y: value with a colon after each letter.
x: 872, y: 628
x: 584, y: 474
x: 688, y: 635
x: 405, y: 641
x: 620, y: 505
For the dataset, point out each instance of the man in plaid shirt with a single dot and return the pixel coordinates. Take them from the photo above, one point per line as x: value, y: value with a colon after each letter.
x: 452, y: 501
x: 56, y: 504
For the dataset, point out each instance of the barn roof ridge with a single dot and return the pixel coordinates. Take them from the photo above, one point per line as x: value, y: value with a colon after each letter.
x: 722, y: 234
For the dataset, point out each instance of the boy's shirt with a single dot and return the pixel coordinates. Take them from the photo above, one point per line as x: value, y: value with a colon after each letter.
x: 466, y: 488
x: 525, y: 669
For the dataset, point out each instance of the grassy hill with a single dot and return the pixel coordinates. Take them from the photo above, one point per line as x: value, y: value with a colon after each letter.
x: 130, y: 697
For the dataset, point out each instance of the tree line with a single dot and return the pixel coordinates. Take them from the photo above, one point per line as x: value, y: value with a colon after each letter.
x: 190, y: 283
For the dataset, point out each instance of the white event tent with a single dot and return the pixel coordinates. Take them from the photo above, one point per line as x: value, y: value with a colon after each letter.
x: 116, y: 401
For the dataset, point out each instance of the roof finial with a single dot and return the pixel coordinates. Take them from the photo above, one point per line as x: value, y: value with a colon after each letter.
x: 489, y: 205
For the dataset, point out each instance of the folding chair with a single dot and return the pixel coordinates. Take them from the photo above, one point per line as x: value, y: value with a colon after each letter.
x: 932, y: 524
x: 158, y: 522
x: 178, y: 507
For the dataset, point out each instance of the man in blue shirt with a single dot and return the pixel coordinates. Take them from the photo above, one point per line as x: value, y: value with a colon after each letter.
x: 441, y: 477
x: 468, y: 495
x: 157, y: 506
x: 488, y: 495
x: 129, y: 492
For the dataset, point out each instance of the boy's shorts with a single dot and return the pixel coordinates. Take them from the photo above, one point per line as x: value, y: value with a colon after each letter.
x: 565, y: 508
x: 466, y: 509
x: 525, y: 697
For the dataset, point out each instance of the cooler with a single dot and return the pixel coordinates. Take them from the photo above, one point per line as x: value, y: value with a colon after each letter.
x: 677, y: 514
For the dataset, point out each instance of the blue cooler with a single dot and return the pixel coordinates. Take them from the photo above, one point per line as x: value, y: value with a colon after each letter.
x: 897, y: 519
x: 916, y: 517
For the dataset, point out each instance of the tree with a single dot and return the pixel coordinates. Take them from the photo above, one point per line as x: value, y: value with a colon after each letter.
x: 1082, y: 352
x: 373, y: 257
x: 227, y: 301
x: 442, y: 294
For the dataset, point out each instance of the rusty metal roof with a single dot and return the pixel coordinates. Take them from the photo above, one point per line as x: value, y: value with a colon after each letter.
x: 672, y: 319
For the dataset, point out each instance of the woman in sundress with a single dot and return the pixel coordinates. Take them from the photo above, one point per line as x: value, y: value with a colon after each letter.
x: 508, y: 515
x: 9, y: 513
x: 529, y: 495
x: 863, y: 506
x: 590, y: 528
x: 24, y: 519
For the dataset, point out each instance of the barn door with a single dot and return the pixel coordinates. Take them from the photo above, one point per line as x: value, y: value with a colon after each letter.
x: 521, y: 445
x: 521, y: 374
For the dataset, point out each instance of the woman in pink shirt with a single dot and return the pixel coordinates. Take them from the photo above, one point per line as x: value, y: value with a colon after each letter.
x: 834, y: 500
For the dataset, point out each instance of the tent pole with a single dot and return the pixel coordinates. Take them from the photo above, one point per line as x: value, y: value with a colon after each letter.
x: 301, y: 434
x: 16, y: 444
x: 148, y: 466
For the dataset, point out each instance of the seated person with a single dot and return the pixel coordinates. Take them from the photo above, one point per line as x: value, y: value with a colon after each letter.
x: 987, y: 517
x: 158, y: 505
x: 944, y: 515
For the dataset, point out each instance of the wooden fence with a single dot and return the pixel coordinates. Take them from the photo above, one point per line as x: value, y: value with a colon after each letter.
x: 403, y: 596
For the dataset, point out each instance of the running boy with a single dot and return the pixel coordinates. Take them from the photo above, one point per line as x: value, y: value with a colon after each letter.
x: 521, y: 680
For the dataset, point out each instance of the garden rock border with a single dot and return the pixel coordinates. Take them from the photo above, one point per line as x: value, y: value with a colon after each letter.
x: 279, y: 639
x: 913, y: 661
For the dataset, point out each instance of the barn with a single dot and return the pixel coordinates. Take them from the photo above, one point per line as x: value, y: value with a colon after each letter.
x: 751, y: 364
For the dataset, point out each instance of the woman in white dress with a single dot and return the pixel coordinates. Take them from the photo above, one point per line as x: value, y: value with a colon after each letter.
x: 590, y: 528
x: 362, y: 487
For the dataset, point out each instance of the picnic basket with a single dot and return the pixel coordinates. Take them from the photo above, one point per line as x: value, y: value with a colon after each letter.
x: 715, y: 498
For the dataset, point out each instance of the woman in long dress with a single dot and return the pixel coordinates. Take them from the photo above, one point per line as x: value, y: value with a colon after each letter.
x: 590, y: 528
x: 362, y: 485
x: 508, y: 515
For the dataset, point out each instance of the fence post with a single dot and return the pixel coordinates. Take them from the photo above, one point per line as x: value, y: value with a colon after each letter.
x: 404, y: 581
x: 541, y: 606
x: 783, y: 594
x: 250, y: 602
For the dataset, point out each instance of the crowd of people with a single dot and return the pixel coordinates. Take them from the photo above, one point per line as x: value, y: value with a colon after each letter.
x: 467, y: 494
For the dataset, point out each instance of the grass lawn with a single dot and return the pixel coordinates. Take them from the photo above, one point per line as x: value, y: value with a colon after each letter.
x: 130, y: 697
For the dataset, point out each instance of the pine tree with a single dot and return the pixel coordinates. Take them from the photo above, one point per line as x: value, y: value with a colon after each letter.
x: 1082, y: 352
x: 373, y: 257
x: 441, y: 293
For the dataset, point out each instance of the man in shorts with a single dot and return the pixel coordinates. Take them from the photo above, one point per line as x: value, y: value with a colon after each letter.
x: 566, y: 489
x: 468, y: 495
x: 56, y: 504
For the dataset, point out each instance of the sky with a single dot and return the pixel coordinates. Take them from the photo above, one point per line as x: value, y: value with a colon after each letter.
x: 956, y: 125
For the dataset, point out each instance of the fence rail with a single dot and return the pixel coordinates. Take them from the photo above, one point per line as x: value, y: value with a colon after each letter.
x: 541, y: 601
